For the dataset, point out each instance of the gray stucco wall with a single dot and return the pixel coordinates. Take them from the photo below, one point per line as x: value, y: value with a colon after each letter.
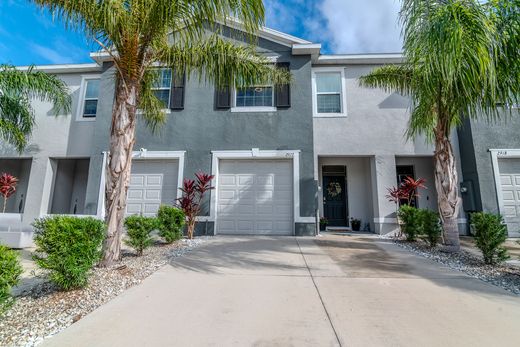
x: 374, y: 128
x: 200, y: 128
x: 53, y: 137
x: 476, y: 138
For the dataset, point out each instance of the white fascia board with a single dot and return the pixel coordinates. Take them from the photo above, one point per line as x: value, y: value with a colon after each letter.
x: 360, y: 59
x: 306, y: 49
x: 267, y: 33
x: 63, y: 68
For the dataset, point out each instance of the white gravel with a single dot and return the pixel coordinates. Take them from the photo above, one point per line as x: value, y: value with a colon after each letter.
x: 502, y: 275
x: 42, y: 311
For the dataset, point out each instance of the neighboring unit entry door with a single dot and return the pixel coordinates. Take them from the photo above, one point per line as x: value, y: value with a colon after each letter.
x: 334, y: 200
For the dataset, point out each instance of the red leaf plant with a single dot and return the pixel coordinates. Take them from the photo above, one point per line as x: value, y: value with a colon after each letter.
x: 192, y: 194
x: 7, y: 187
x: 410, y: 187
x: 404, y: 194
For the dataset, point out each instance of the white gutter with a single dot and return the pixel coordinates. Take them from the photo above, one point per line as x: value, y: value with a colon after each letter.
x: 359, y: 59
x: 64, y: 68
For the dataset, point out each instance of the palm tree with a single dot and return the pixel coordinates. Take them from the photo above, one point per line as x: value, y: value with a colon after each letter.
x: 140, y: 34
x: 17, y: 88
x: 457, y: 63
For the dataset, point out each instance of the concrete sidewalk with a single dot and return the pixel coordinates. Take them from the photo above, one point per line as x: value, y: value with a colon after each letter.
x: 336, y: 290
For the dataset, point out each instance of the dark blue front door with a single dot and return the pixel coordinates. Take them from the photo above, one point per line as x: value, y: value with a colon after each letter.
x: 334, y: 200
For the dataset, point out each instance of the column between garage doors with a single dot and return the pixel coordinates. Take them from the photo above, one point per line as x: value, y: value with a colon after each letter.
x: 257, y: 192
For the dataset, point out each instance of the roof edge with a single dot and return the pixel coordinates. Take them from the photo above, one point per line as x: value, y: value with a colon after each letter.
x: 371, y: 58
x: 63, y: 68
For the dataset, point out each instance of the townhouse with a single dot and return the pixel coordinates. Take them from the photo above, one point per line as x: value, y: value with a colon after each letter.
x: 283, y: 156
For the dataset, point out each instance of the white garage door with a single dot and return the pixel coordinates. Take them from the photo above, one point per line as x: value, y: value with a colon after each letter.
x: 255, y: 197
x: 510, y: 184
x: 152, y: 183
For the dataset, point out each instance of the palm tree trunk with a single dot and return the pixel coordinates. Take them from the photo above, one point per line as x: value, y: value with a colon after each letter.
x: 446, y: 184
x: 122, y: 139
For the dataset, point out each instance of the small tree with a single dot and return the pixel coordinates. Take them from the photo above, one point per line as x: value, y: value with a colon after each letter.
x: 10, y: 271
x: 430, y: 227
x: 170, y: 221
x: 139, y: 231
x: 192, y: 194
x: 490, y: 234
x: 7, y: 187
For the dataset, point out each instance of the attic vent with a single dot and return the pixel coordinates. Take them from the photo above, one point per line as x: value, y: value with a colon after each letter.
x: 339, y: 170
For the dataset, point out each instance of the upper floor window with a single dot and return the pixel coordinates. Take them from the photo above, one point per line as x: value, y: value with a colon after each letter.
x: 163, y: 86
x: 329, y: 92
x: 259, y: 96
x: 90, y: 100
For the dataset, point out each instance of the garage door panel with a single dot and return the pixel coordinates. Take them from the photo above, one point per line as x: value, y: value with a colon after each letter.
x: 245, y: 180
x: 137, y: 180
x: 265, y: 180
x: 506, y: 180
x: 508, y: 195
x: 153, y: 194
x: 132, y: 208
x: 264, y: 195
x: 256, y: 196
x: 246, y: 225
x: 227, y: 180
x: 226, y: 225
x: 226, y: 194
x: 135, y: 194
x: 510, y: 211
x: 154, y: 180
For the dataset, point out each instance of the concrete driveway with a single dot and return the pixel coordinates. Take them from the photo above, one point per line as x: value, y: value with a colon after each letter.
x: 335, y: 290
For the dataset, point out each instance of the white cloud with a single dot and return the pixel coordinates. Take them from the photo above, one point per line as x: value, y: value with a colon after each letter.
x: 60, y: 52
x: 362, y: 26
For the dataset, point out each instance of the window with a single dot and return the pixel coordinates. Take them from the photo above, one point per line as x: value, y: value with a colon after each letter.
x: 162, y: 87
x: 329, y: 92
x: 90, y: 101
x: 261, y: 96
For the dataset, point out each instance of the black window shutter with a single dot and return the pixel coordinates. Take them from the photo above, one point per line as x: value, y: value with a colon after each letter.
x: 283, y: 91
x: 177, y: 91
x: 223, y: 98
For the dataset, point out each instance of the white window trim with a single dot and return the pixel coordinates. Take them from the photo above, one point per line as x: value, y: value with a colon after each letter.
x: 81, y: 100
x: 501, y: 154
x: 142, y: 154
x: 343, y: 98
x: 255, y: 153
x: 239, y: 109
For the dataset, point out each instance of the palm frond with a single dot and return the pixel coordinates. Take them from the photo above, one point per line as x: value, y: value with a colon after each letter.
x: 35, y: 85
x: 391, y: 78
x: 223, y: 62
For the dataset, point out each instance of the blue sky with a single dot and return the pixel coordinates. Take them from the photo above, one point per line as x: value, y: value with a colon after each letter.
x: 30, y: 36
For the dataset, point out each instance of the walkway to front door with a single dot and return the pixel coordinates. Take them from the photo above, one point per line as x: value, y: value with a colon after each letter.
x: 286, y: 291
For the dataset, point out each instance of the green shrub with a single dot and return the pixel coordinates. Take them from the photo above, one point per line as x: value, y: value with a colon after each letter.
x: 430, y: 227
x: 170, y: 222
x: 411, y: 222
x: 139, y: 231
x: 10, y: 271
x: 490, y: 234
x: 68, y: 247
